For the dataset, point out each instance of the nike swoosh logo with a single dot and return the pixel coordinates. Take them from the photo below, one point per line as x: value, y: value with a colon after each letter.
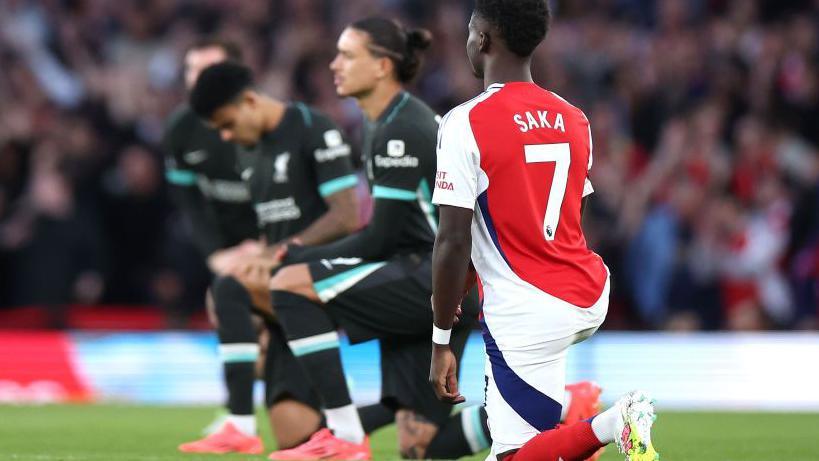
x: 196, y: 156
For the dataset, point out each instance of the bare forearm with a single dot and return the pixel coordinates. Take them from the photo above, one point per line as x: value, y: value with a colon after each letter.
x: 376, y: 241
x: 340, y: 219
x: 450, y: 265
x: 330, y: 226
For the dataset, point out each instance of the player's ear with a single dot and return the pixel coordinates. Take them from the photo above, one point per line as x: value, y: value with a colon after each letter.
x: 250, y: 97
x: 484, y: 41
x: 385, y: 67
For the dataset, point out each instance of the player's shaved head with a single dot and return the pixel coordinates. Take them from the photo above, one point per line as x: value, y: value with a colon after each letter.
x: 218, y: 86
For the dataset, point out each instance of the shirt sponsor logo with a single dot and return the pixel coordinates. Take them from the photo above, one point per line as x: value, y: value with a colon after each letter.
x: 246, y: 174
x: 195, y: 157
x: 441, y: 181
x: 278, y: 210
x: 400, y: 162
x: 332, y: 153
x: 280, y: 167
x: 224, y: 191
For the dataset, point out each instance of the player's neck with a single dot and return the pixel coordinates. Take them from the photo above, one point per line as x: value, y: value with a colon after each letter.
x: 376, y: 102
x: 273, y: 112
x: 504, y: 69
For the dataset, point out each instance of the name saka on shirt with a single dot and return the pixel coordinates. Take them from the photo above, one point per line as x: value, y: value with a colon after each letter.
x: 539, y: 119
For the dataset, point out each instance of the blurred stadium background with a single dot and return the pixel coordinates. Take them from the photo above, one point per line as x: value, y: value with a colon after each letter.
x: 705, y: 116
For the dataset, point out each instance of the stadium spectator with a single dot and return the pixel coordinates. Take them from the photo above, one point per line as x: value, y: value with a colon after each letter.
x: 705, y: 128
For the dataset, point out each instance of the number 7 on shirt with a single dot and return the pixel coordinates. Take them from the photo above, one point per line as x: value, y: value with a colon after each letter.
x: 561, y: 155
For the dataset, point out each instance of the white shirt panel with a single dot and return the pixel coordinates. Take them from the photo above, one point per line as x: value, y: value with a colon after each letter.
x: 587, y: 188
x: 456, y: 181
x: 459, y: 160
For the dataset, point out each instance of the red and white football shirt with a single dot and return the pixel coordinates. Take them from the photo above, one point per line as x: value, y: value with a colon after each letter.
x: 519, y: 156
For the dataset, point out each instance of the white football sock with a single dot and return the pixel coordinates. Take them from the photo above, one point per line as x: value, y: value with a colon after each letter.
x: 567, y: 400
x: 345, y: 423
x: 245, y: 423
x: 604, y: 425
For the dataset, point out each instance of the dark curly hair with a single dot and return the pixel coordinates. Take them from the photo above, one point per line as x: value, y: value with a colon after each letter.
x: 219, y: 85
x: 402, y: 46
x: 522, y: 23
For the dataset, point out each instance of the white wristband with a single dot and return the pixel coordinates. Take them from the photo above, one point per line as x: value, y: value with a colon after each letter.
x: 440, y: 336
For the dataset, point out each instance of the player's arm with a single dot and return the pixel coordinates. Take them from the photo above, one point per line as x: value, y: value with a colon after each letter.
x: 330, y: 154
x: 340, y: 219
x: 450, y: 266
x: 375, y: 241
x: 588, y: 189
x: 456, y: 192
x: 186, y: 195
x: 395, y: 197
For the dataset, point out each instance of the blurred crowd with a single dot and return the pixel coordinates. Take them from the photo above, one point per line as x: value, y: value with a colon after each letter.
x: 705, y: 117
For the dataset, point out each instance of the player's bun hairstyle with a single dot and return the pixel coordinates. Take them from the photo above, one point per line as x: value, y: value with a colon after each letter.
x: 231, y: 49
x: 522, y: 24
x: 219, y: 85
x: 403, y: 46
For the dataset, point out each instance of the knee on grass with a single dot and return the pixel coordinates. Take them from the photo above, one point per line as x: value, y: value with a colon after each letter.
x: 415, y: 433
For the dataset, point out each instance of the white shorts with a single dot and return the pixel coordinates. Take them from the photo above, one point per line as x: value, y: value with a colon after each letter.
x: 527, y: 337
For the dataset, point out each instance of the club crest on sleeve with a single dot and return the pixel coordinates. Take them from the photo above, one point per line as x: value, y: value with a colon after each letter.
x: 332, y: 138
x: 395, y: 147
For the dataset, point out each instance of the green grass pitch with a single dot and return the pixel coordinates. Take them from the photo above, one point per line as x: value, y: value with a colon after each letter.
x: 130, y: 433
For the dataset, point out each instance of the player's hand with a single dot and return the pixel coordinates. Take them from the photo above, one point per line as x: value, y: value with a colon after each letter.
x: 221, y: 262
x: 443, y: 375
x: 225, y: 261
x: 250, y: 247
x: 254, y: 274
x: 280, y: 251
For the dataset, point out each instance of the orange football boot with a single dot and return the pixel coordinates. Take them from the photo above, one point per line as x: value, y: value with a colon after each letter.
x: 324, y: 445
x: 228, y: 439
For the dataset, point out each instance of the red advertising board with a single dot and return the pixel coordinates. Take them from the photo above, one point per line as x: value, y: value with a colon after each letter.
x: 39, y: 367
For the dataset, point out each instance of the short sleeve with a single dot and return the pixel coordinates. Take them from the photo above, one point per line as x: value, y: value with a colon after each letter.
x: 588, y: 189
x: 400, y: 158
x: 456, y: 181
x: 177, y: 171
x: 331, y: 155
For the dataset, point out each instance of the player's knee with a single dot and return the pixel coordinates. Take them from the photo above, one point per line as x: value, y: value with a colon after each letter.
x: 292, y: 421
x: 285, y: 279
x: 412, y: 448
x: 414, y: 434
x: 225, y: 291
x: 294, y: 279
